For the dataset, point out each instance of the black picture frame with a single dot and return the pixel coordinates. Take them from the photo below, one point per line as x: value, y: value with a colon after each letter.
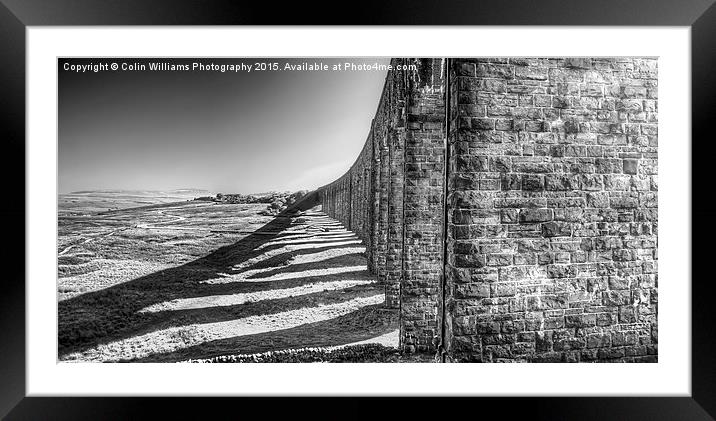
x: 16, y: 15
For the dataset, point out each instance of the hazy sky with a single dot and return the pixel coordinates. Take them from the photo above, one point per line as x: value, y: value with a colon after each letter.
x: 224, y: 132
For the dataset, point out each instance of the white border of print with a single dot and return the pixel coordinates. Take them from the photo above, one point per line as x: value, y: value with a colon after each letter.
x: 670, y: 376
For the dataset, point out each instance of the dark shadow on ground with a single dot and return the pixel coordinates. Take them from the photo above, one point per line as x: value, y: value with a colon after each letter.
x: 353, y: 259
x: 283, y: 258
x: 366, y: 323
x: 103, y: 316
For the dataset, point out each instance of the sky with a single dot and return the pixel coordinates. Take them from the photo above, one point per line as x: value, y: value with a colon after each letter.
x: 228, y: 132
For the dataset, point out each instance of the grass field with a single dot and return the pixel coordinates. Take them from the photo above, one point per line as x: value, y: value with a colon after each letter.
x: 155, y: 280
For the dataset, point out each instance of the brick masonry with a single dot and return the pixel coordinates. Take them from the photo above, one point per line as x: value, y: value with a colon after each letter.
x: 542, y: 244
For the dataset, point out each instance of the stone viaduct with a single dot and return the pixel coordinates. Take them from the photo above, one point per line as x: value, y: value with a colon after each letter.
x: 509, y: 206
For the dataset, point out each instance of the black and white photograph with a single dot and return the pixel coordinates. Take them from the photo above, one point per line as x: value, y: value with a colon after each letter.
x: 503, y: 202
x: 357, y: 210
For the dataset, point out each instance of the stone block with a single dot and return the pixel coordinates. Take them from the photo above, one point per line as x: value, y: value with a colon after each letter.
x: 536, y: 215
x: 471, y: 163
x: 631, y: 166
x: 556, y: 229
x: 532, y: 182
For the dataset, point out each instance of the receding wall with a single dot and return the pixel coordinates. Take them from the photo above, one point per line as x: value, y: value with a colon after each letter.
x: 545, y: 246
x: 393, y: 196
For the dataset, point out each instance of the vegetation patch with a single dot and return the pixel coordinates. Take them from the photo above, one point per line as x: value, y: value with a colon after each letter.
x: 363, y: 353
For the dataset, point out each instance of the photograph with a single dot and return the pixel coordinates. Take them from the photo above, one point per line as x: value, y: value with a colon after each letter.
x: 357, y: 210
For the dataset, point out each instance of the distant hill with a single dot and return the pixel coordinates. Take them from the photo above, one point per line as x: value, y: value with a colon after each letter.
x: 157, y: 193
x: 103, y: 200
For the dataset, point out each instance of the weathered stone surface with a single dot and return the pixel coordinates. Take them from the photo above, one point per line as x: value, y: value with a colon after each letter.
x: 546, y: 228
x: 576, y: 181
x: 536, y: 215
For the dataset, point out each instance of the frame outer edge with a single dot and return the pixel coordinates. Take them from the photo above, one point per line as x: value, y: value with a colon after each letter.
x: 12, y: 127
x: 703, y: 110
x: 375, y: 12
x: 12, y: 80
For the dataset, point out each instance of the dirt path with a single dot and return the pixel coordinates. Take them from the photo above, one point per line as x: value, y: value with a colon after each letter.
x: 177, y: 218
x: 306, y: 285
x: 88, y: 240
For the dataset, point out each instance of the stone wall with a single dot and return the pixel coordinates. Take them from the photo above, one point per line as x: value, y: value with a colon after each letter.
x: 392, y: 197
x: 422, y: 277
x: 552, y: 211
x: 545, y: 246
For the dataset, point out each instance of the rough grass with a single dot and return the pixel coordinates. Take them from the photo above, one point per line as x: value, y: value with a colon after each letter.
x: 109, y: 248
x: 155, y: 254
x: 363, y: 353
